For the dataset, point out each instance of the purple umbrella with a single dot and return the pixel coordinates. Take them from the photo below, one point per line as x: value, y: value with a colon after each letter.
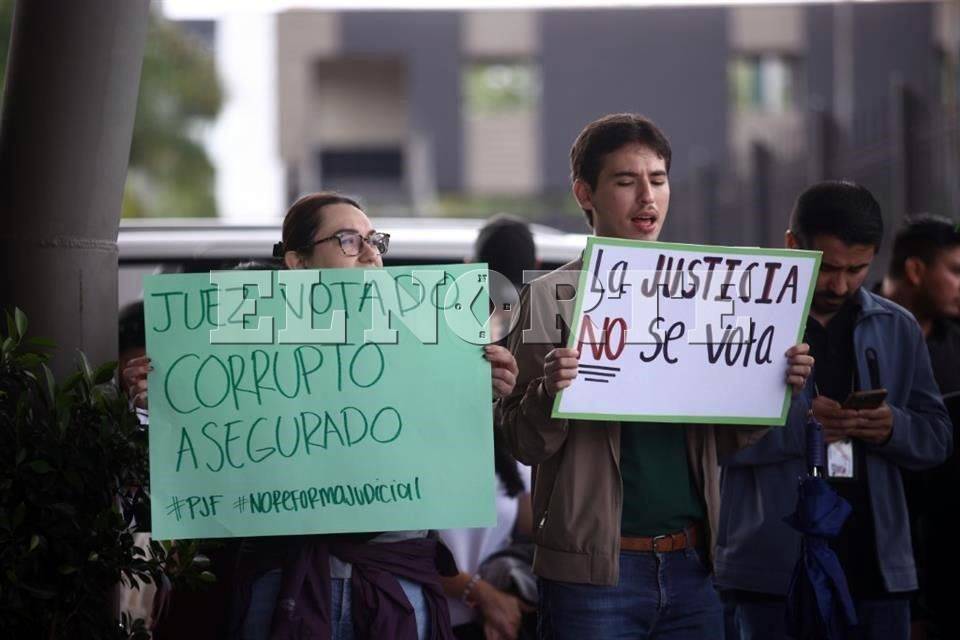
x: 819, y: 606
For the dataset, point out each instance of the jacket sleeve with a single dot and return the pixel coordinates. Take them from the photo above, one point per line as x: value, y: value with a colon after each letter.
x: 922, y: 435
x: 772, y: 445
x: 524, y: 416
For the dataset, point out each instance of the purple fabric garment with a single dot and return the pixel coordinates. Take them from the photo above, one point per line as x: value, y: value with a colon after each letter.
x: 380, y: 609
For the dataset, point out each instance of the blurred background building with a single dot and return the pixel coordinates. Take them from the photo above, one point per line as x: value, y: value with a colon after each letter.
x: 465, y: 113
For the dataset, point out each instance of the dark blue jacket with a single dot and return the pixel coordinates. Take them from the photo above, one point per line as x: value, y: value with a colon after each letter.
x: 755, y: 549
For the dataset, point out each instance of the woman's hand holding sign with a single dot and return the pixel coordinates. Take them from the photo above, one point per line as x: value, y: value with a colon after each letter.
x: 504, y: 369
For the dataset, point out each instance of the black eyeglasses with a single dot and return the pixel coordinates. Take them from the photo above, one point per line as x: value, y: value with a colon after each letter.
x: 351, y: 242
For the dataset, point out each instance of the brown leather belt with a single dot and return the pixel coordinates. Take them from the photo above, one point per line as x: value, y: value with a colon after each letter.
x: 685, y: 539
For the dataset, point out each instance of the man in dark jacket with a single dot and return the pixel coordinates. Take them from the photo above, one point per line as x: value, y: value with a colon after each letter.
x: 859, y: 341
x: 924, y: 277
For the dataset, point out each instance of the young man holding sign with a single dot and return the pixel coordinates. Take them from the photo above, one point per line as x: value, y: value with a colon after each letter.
x: 874, y: 392
x: 621, y: 510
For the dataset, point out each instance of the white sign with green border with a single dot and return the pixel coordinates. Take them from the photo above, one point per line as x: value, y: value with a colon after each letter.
x: 686, y: 333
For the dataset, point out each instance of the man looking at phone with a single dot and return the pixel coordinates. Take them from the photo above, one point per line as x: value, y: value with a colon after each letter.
x: 873, y: 390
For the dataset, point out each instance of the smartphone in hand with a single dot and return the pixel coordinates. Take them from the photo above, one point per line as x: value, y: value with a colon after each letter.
x: 870, y: 399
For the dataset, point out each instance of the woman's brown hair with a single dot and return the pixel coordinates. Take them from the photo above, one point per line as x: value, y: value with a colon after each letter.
x: 302, y: 219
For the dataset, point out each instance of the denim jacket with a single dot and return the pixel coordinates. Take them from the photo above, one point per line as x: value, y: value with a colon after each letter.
x: 755, y: 549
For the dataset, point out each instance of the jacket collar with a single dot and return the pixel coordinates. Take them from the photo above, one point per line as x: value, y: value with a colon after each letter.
x: 870, y: 304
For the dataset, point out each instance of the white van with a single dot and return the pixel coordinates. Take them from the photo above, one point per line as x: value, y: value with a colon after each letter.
x: 192, y: 245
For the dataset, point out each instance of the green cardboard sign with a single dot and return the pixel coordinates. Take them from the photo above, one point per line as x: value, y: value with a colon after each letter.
x: 330, y: 401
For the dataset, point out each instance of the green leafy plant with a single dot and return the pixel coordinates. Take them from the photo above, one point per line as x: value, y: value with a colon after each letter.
x: 70, y: 455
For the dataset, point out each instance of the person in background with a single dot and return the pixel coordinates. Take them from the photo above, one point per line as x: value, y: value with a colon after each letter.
x: 132, y: 345
x: 131, y: 352
x: 860, y: 341
x: 132, y: 335
x: 924, y: 277
x: 506, y: 244
x: 478, y: 609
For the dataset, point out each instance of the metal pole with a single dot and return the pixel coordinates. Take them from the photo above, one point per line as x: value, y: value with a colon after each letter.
x: 72, y: 79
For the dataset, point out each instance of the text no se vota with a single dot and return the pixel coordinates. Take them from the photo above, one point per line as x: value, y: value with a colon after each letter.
x: 386, y: 294
x: 690, y: 278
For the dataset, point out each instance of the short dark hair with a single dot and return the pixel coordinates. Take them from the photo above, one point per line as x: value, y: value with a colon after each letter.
x: 925, y: 237
x: 254, y: 265
x: 505, y: 243
x: 302, y: 219
x: 606, y: 135
x: 131, y: 327
x: 838, y: 208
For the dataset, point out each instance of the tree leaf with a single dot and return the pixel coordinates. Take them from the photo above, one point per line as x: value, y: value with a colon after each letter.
x: 34, y: 542
x: 85, y: 368
x: 20, y: 318
x: 51, y: 383
x: 66, y: 569
x: 19, y: 514
x: 72, y: 381
x: 104, y: 373
x: 30, y: 361
x: 11, y: 326
x: 67, y: 510
x: 40, y: 466
x: 207, y: 576
x: 39, y: 592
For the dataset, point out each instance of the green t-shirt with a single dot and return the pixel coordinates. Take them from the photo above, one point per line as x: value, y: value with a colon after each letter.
x: 659, y: 494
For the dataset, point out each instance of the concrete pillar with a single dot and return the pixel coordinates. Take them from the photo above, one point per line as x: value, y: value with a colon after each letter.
x: 72, y: 79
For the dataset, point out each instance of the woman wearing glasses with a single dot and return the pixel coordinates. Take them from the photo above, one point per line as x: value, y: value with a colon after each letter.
x: 328, y: 230
x: 341, y: 587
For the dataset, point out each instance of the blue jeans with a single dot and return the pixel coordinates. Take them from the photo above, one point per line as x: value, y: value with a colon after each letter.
x: 887, y: 619
x: 263, y: 599
x: 660, y: 595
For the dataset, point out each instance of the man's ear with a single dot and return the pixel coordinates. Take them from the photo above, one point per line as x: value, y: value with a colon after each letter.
x: 790, y: 240
x: 914, y: 269
x: 583, y: 193
x: 293, y: 260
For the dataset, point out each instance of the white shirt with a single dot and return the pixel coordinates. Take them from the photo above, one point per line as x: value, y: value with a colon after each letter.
x: 470, y: 547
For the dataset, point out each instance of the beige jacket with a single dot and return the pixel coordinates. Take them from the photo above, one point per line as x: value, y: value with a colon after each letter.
x: 578, y: 490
